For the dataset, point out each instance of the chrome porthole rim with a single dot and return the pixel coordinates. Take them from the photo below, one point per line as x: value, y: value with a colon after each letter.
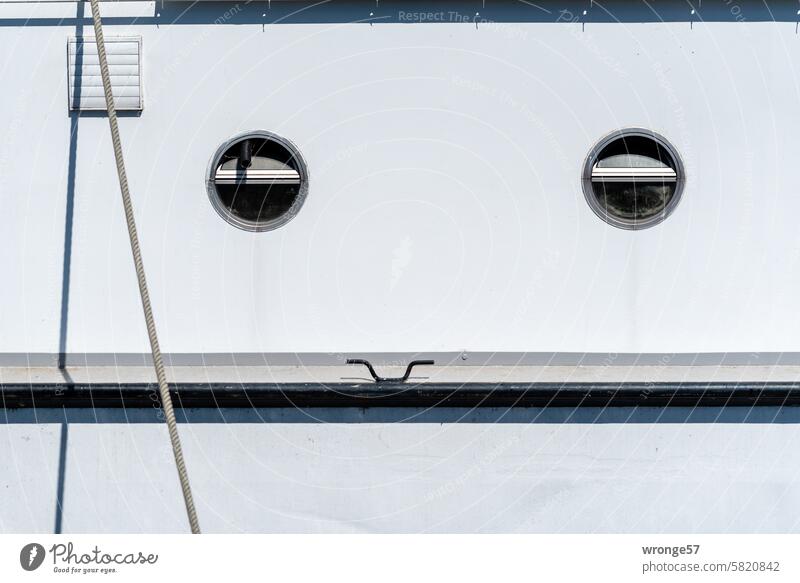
x: 627, y: 224
x: 257, y: 226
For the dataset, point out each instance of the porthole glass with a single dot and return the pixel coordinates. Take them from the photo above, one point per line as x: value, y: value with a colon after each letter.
x: 633, y: 179
x: 257, y: 181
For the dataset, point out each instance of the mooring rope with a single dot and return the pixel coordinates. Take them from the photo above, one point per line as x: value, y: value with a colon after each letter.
x: 163, y: 387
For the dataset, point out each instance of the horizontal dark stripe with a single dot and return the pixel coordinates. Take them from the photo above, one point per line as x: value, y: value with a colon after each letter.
x: 191, y: 395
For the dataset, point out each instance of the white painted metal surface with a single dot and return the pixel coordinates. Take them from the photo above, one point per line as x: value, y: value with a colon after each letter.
x: 351, y: 471
x: 445, y: 214
x: 446, y: 210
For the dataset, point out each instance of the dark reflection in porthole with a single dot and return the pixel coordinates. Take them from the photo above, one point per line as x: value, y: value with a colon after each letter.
x: 257, y: 181
x: 633, y: 179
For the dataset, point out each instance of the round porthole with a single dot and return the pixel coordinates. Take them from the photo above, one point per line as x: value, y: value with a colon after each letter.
x: 257, y: 181
x: 633, y: 179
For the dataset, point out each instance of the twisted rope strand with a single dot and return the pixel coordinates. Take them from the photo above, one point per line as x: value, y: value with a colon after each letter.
x: 163, y: 387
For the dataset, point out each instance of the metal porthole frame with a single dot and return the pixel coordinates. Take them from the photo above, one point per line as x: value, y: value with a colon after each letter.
x: 257, y: 226
x: 600, y: 211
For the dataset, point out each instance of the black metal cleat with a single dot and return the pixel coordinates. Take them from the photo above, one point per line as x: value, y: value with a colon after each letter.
x: 379, y: 379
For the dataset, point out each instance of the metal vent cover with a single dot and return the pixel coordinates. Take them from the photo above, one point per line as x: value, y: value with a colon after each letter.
x: 124, y: 66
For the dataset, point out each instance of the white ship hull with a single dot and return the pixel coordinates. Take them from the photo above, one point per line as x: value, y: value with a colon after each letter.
x: 445, y: 218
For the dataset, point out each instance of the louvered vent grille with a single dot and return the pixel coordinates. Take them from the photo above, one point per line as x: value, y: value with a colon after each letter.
x: 124, y: 65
